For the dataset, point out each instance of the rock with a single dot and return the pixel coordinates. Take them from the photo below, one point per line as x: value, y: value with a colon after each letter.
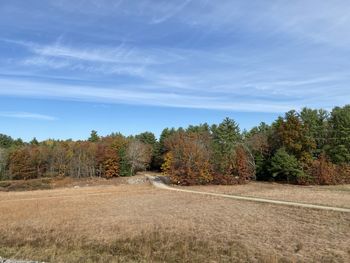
x: 164, y: 179
x: 139, y: 180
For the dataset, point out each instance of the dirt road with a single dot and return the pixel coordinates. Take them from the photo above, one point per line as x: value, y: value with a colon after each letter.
x: 159, y: 184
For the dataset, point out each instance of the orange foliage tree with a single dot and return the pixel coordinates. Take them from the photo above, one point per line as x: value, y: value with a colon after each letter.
x: 244, y: 166
x: 291, y: 133
x: 189, y: 158
x: 107, y: 159
x: 21, y: 165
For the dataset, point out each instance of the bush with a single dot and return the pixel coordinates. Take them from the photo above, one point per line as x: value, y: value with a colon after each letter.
x: 322, y: 171
x: 343, y: 174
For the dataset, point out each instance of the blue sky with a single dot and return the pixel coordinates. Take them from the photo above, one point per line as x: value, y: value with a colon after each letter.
x: 68, y: 67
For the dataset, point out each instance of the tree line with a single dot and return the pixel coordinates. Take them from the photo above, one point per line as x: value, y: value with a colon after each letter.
x: 306, y: 147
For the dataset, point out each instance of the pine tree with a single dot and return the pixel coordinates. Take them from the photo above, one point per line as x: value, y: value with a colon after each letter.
x: 124, y: 165
x: 94, y: 136
x: 34, y: 141
x: 339, y: 148
x: 285, y: 167
x: 225, y: 138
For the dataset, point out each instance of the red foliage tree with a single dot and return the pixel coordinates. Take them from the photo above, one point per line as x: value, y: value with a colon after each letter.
x: 322, y: 171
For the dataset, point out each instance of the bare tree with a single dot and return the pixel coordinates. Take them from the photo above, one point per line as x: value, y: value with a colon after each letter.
x: 139, y: 155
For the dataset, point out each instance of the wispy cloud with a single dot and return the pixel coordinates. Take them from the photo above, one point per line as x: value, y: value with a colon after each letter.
x: 107, y: 55
x: 169, y: 11
x: 120, y: 60
x: 232, y: 55
x: 134, y: 96
x: 26, y: 115
x: 45, y: 62
x: 120, y: 54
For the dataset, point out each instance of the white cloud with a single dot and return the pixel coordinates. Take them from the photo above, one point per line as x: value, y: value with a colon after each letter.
x: 121, y: 54
x: 121, y: 60
x: 134, y: 96
x: 234, y: 55
x: 108, y: 55
x: 46, y: 62
x: 26, y: 115
x: 311, y: 21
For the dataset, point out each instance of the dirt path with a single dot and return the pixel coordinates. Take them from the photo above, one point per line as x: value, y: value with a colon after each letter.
x: 159, y: 184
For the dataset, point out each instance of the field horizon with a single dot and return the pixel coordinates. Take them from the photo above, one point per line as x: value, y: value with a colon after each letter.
x: 129, y: 220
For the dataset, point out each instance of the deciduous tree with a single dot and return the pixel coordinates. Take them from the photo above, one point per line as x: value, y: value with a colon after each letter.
x: 139, y: 155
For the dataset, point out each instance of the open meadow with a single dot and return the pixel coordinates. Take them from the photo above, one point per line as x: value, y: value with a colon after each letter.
x: 132, y: 221
x: 190, y: 131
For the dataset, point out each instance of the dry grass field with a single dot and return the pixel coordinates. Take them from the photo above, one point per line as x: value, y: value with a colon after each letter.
x: 337, y: 196
x: 121, y: 222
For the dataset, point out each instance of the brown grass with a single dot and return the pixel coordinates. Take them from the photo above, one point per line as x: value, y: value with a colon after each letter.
x: 138, y: 223
x: 335, y: 195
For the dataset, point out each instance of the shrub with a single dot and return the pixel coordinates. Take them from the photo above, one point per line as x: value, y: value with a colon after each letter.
x: 167, y: 164
x: 322, y: 171
x: 343, y: 174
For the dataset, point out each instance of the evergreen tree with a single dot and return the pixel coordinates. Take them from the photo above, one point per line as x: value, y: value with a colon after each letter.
x: 339, y: 148
x: 226, y: 135
x: 18, y: 142
x: 198, y: 128
x: 124, y: 165
x: 285, y: 167
x: 94, y: 136
x: 34, y: 141
x: 225, y: 138
x: 6, y: 141
x: 147, y: 138
x: 316, y: 127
